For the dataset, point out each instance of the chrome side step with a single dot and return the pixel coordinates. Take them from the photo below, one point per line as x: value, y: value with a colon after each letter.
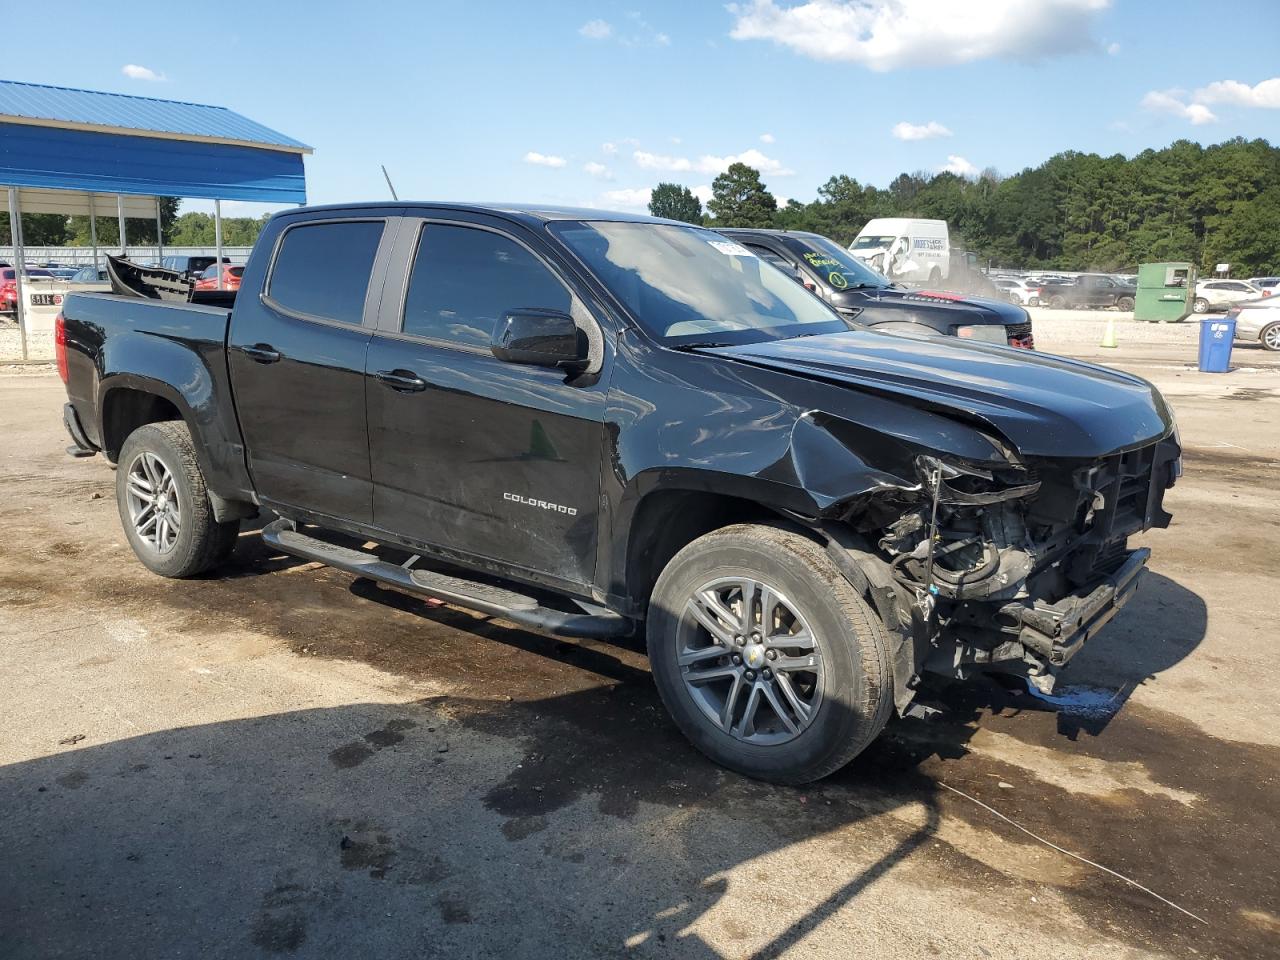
x: 481, y: 597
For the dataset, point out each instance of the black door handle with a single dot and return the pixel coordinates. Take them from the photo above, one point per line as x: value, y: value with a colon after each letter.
x: 406, y: 381
x: 262, y: 353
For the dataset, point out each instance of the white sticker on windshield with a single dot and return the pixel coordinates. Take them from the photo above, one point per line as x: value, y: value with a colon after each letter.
x: 731, y: 249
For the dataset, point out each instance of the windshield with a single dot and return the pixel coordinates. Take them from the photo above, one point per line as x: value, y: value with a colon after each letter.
x: 688, y: 285
x: 835, y: 266
x: 872, y: 243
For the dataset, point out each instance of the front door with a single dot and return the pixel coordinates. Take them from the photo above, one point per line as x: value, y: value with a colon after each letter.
x: 297, y: 358
x: 481, y: 458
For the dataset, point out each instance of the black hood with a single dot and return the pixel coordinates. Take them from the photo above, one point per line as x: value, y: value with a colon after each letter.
x: 1045, y: 406
x: 936, y: 310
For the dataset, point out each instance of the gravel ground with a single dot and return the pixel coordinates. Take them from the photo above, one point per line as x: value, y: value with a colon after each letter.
x: 281, y: 759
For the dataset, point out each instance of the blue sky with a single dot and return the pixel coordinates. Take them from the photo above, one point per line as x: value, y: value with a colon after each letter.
x: 592, y: 103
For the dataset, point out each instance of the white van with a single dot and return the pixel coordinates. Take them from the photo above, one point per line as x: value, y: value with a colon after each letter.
x: 905, y: 249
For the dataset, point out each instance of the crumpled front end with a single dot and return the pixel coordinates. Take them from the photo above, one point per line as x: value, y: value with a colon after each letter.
x: 1015, y: 568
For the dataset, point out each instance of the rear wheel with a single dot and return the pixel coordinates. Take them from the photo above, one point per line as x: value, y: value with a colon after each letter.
x: 1057, y: 301
x: 769, y: 661
x: 164, y: 503
x: 935, y: 276
x: 1270, y: 337
x: 1201, y: 305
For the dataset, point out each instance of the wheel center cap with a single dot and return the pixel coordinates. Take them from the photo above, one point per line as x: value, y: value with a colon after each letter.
x: 162, y: 502
x: 753, y: 655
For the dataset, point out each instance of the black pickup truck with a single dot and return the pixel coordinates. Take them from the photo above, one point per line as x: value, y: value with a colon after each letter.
x: 594, y: 425
x: 1089, y: 291
x: 853, y: 288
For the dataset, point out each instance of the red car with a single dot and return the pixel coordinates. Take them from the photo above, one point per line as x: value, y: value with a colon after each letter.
x: 208, y: 280
x: 9, y: 286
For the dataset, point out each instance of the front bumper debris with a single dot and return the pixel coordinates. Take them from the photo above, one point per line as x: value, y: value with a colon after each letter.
x: 1057, y: 631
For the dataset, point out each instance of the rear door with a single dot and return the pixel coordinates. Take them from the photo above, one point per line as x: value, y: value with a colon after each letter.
x: 480, y: 458
x: 296, y: 355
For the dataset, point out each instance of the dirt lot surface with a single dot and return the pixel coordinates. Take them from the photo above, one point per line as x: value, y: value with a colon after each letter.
x: 283, y: 760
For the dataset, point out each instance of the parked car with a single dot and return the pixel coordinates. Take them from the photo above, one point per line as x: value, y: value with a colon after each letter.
x: 857, y: 291
x: 1214, y: 295
x: 594, y: 423
x: 188, y: 265
x: 1258, y: 321
x: 90, y: 274
x: 1088, y: 291
x: 9, y: 285
x: 1266, y: 284
x: 1017, y: 290
x: 208, y: 279
x: 905, y: 249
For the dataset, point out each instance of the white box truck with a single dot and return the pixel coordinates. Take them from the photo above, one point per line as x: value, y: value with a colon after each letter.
x: 905, y: 249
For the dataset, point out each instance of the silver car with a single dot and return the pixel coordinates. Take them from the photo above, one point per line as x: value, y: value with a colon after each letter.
x: 1258, y: 320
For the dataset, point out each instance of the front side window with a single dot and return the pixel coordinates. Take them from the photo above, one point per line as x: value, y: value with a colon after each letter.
x: 689, y: 285
x: 322, y: 269
x: 838, y: 269
x: 464, y: 279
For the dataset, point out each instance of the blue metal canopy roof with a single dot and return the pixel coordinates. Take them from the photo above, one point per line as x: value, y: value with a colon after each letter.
x: 92, y: 108
x: 86, y: 141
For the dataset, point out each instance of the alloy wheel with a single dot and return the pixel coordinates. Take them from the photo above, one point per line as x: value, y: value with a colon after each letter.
x: 750, y: 661
x: 1271, y: 337
x: 152, y: 497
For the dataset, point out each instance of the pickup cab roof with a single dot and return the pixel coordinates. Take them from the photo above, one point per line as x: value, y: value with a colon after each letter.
x: 530, y: 214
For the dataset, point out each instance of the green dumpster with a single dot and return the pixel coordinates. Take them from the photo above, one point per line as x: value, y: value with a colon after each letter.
x: 1165, y: 292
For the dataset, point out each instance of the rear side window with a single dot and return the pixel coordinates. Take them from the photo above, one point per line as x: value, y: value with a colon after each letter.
x: 465, y: 279
x: 322, y: 269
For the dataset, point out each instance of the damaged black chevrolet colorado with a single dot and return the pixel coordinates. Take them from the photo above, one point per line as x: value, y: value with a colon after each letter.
x: 594, y: 424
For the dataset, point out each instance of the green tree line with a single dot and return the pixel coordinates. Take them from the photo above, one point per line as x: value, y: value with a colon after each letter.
x: 185, y: 230
x: 1075, y: 211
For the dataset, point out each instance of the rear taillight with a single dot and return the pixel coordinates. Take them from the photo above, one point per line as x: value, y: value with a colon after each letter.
x: 60, y: 344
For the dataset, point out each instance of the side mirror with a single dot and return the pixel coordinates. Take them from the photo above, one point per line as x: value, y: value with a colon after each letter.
x: 540, y: 338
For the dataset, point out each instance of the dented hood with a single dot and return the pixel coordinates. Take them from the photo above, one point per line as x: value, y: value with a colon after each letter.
x: 1045, y: 406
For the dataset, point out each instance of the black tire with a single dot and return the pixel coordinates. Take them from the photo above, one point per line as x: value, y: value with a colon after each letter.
x: 1057, y: 302
x: 1125, y: 304
x: 1270, y: 337
x: 1200, y: 305
x: 201, y: 541
x: 857, y: 688
x: 935, y: 277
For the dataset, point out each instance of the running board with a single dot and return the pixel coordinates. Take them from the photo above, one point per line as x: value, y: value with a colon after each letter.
x: 482, y: 597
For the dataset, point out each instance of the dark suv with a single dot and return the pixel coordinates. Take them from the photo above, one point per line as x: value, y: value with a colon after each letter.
x: 853, y: 288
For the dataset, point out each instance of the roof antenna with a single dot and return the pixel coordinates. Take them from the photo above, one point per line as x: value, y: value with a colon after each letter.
x: 389, y: 184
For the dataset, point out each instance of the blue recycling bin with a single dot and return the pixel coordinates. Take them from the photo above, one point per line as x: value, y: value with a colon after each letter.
x: 1215, y: 345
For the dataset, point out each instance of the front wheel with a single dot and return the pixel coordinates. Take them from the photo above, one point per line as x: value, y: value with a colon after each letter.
x: 1125, y: 304
x: 1201, y: 305
x: 769, y: 661
x: 164, y: 503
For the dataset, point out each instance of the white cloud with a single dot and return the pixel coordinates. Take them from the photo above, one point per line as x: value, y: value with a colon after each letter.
x: 888, y: 34
x: 543, y: 159
x: 1113, y: 49
x: 629, y: 198
x: 767, y: 138
x: 959, y: 166
x: 596, y: 30
x: 752, y: 158
x: 703, y: 192
x: 1172, y: 101
x: 920, y: 131
x: 598, y: 170
x: 636, y: 32
x: 609, y: 148
x: 656, y: 161
x: 1265, y: 94
x: 136, y: 72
